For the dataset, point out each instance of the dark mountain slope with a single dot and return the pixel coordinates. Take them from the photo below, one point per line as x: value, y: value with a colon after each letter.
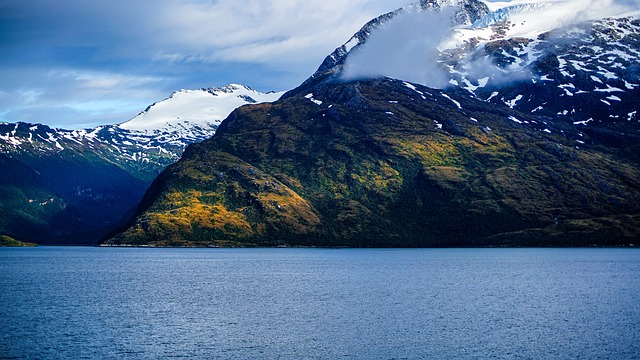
x: 388, y: 163
x: 27, y: 203
x: 69, y: 198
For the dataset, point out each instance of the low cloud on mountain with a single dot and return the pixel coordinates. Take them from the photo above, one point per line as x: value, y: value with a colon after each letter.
x: 406, y: 48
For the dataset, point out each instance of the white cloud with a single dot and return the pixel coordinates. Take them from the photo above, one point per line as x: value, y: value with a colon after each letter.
x: 62, y: 98
x: 404, y: 48
x: 558, y: 13
x: 266, y: 31
x: 596, y: 9
x: 142, y: 50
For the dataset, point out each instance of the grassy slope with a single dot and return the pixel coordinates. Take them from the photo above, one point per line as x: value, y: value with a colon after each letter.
x: 7, y: 241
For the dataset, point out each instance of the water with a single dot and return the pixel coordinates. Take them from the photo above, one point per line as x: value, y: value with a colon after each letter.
x: 319, y: 304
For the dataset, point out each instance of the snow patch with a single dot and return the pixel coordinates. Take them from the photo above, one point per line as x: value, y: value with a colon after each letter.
x: 453, y: 101
x: 351, y: 44
x: 609, y: 89
x: 515, y: 120
x: 512, y: 103
x: 310, y: 97
x: 585, y: 122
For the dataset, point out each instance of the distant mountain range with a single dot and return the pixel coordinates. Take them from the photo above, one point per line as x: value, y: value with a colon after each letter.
x: 73, y: 186
x: 509, y: 129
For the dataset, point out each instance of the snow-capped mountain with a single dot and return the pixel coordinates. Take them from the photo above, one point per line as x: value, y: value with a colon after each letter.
x: 157, y: 136
x: 192, y: 115
x: 573, y: 61
x: 581, y: 72
x: 74, y: 186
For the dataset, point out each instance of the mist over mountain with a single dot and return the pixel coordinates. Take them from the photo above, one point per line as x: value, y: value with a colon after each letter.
x: 535, y: 57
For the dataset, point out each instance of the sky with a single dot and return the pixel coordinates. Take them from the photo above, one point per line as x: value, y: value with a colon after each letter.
x: 77, y: 64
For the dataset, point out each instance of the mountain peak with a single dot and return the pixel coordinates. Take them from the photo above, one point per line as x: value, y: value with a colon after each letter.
x: 229, y: 89
x: 454, y: 13
x: 465, y: 11
x: 204, y: 108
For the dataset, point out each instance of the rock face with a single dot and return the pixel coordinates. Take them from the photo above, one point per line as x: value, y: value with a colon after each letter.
x: 389, y: 163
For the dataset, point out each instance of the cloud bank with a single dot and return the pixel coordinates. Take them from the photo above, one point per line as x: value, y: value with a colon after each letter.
x: 77, y: 63
x: 558, y: 13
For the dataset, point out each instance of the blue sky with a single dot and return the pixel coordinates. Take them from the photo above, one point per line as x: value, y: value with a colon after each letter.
x: 78, y: 63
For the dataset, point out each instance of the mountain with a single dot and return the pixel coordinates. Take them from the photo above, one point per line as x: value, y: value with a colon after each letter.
x: 190, y: 116
x: 580, y: 72
x: 498, y: 155
x: 74, y: 186
x: 390, y: 163
x: 584, y: 73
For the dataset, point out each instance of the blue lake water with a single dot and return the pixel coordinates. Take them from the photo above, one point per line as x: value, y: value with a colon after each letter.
x: 76, y: 303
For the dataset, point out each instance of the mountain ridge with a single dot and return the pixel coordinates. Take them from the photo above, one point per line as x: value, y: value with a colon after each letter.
x: 85, y: 182
x: 376, y: 164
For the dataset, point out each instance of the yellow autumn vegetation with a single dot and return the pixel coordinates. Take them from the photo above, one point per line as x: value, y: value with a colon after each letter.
x: 378, y: 176
x: 190, y: 212
x: 288, y: 208
x: 430, y: 153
